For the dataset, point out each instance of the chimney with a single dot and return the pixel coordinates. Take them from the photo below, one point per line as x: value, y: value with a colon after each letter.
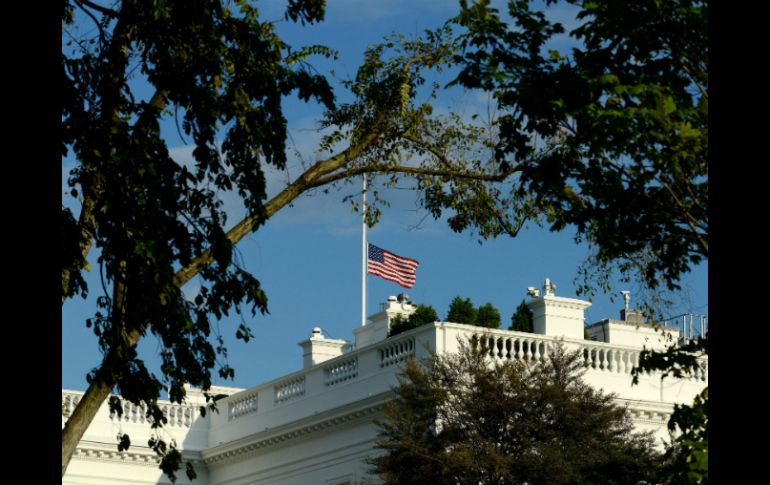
x: 555, y: 315
x: 634, y: 317
x: 377, y: 329
x: 319, y: 349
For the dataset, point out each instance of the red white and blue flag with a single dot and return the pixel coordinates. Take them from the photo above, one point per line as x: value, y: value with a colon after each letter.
x: 392, y: 267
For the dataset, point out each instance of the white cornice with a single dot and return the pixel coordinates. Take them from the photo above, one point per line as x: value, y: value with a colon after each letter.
x: 649, y: 412
x: 136, y: 455
x: 246, y: 447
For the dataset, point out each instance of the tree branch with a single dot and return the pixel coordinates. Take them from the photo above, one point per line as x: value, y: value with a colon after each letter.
x: 689, y: 219
x: 406, y: 170
x: 305, y: 181
x: 103, y: 10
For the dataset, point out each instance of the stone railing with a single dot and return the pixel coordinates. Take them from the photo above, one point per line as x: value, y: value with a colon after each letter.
x: 371, y: 370
x: 602, y: 357
x: 597, y: 356
x: 178, y: 415
x: 394, y: 352
x: 290, y: 389
x: 242, y: 405
x: 69, y: 401
x: 341, y: 371
x: 514, y: 346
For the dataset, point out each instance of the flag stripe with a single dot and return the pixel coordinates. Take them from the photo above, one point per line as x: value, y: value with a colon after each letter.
x: 392, y: 267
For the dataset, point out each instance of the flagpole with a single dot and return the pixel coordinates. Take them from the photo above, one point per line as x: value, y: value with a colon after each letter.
x: 363, y: 253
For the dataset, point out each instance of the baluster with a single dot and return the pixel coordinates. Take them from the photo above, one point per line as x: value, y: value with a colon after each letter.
x: 508, y: 348
x: 499, y: 348
x: 545, y: 351
x: 537, y: 350
x: 517, y: 344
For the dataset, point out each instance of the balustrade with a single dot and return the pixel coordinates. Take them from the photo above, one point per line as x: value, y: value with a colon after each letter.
x: 395, y: 352
x: 290, y: 389
x: 341, y: 371
x: 242, y: 406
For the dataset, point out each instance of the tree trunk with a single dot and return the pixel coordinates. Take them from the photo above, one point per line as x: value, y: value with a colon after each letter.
x: 80, y: 419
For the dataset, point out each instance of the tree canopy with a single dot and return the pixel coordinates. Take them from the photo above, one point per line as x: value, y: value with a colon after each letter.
x: 521, y: 320
x: 458, y: 418
x: 623, y: 106
x: 422, y: 315
x: 622, y: 155
x: 462, y: 310
x: 221, y: 73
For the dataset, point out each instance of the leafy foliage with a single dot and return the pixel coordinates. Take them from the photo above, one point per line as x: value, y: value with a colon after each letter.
x: 422, y: 315
x: 463, y: 311
x: 521, y: 320
x: 221, y: 71
x: 687, y: 457
x: 624, y: 112
x: 461, y: 419
x: 488, y: 316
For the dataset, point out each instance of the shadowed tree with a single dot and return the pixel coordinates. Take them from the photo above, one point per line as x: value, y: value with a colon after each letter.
x: 624, y: 104
x: 221, y: 73
x: 459, y: 418
x: 521, y: 320
x: 488, y: 316
x: 461, y: 310
x: 422, y: 315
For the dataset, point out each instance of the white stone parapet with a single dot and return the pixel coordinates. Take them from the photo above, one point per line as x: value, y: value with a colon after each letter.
x: 326, y: 410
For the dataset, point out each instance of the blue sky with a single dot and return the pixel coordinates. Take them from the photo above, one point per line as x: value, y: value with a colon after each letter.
x: 308, y: 257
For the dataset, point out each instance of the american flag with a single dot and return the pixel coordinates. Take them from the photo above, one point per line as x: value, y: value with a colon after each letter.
x: 392, y: 267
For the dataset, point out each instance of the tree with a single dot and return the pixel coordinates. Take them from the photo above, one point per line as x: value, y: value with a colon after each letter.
x: 687, y: 454
x: 488, y: 316
x: 221, y: 73
x: 624, y: 112
x: 458, y: 418
x: 521, y: 320
x: 462, y: 311
x: 422, y: 315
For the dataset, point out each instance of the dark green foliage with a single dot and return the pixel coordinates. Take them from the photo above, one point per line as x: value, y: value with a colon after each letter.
x: 424, y: 314
x: 462, y: 311
x: 488, y: 316
x: 621, y: 120
x: 222, y: 73
x: 610, y: 136
x: 457, y: 419
x: 521, y: 320
x: 687, y: 457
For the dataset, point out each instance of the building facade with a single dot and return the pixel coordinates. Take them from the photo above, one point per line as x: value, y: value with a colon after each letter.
x: 315, y: 426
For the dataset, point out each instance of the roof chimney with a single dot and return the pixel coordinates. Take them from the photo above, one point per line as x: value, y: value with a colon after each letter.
x: 319, y: 349
x: 556, y: 315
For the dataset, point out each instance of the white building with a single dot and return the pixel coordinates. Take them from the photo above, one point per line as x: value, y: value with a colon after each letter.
x: 314, y: 426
